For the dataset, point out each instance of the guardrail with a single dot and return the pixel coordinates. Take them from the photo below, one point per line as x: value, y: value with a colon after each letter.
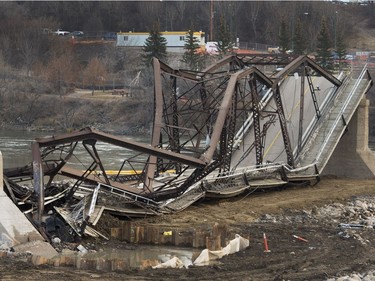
x: 129, y: 195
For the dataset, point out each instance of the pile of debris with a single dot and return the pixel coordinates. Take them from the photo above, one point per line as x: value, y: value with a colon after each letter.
x: 349, y: 219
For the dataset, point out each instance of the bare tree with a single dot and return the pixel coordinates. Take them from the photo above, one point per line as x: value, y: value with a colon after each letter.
x: 95, y: 73
x: 179, y: 11
x: 29, y: 46
x: 253, y: 16
x: 62, y: 72
x: 68, y: 111
x: 31, y: 102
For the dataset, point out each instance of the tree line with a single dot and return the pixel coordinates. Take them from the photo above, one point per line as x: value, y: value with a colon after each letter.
x: 23, y: 45
x: 45, y: 64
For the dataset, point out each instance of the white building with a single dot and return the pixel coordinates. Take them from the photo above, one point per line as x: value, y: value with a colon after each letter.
x: 175, y: 39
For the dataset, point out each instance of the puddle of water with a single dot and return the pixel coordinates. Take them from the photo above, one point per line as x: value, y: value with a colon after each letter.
x: 145, y: 256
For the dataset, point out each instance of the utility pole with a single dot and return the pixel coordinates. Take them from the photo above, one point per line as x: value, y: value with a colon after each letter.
x: 335, y: 25
x: 212, y: 21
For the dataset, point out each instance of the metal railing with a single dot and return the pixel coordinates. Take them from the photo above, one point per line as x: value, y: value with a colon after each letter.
x: 324, y: 106
x: 341, y: 113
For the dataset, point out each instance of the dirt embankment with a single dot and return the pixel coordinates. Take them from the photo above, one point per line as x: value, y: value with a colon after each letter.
x: 329, y: 252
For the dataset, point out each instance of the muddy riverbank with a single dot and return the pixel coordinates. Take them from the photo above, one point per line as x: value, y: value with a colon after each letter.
x: 313, y: 213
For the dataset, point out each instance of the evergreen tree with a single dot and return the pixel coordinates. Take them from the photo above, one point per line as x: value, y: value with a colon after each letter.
x: 299, y: 39
x: 284, y: 38
x: 340, y: 51
x: 155, y: 46
x: 191, y: 56
x: 224, y: 44
x: 324, y: 57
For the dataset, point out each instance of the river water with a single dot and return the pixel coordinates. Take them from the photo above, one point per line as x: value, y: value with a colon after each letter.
x: 15, y: 146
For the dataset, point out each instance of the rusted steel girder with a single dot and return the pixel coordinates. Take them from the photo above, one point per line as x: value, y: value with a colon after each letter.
x: 313, y: 95
x: 283, y: 126
x: 220, y: 120
x: 225, y: 107
x: 158, y: 115
x: 229, y: 60
x: 265, y: 59
x: 89, y: 133
x: 38, y: 180
x: 301, y: 109
x: 215, y: 101
x: 170, y: 106
x: 227, y: 138
x: 242, y: 61
x: 256, y: 115
x: 305, y: 60
x: 176, y: 72
x: 95, y: 156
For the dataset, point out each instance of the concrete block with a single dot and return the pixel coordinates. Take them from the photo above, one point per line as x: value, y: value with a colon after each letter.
x: 116, y: 232
x: 103, y: 264
x: 139, y: 234
x: 118, y: 265
x: 39, y: 260
x: 352, y: 158
x: 127, y: 231
x: 37, y: 248
x: 1, y: 174
x: 184, y: 237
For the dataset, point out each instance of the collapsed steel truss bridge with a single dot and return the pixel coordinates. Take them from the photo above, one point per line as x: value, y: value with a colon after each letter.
x: 238, y: 124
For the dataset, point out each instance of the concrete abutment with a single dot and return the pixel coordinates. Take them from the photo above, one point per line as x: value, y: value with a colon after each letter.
x: 352, y: 157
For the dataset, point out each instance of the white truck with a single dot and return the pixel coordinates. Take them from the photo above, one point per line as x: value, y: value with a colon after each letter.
x: 211, y: 48
x: 62, y: 32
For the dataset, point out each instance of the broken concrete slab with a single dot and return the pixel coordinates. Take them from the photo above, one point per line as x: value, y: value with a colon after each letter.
x: 14, y: 224
x: 1, y: 172
x: 37, y: 249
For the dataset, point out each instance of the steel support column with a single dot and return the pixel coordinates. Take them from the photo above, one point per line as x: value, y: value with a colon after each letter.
x: 312, y: 91
x: 256, y: 115
x: 220, y: 121
x: 301, y: 108
x: 284, y: 129
x: 155, y: 139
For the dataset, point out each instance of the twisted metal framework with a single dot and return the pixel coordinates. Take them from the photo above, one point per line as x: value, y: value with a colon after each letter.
x: 202, y: 111
x: 201, y: 119
x: 212, y: 136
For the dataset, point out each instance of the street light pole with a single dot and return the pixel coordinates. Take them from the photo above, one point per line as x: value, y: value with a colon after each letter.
x: 212, y: 20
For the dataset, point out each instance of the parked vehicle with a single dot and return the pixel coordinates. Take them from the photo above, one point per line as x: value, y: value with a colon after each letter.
x: 110, y: 36
x: 211, y: 48
x: 77, y: 34
x: 61, y: 32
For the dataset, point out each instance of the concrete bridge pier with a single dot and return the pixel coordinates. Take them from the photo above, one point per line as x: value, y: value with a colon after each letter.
x: 1, y: 174
x: 352, y: 157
